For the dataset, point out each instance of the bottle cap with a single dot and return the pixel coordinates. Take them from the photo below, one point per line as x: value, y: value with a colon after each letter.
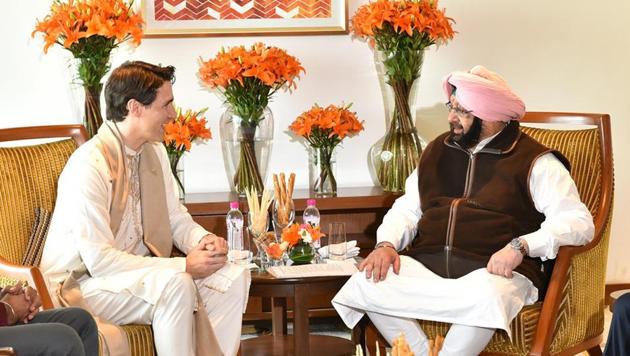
x: 234, y: 205
x: 310, y: 202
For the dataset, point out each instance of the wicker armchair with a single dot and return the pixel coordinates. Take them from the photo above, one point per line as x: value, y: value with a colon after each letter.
x: 28, y: 180
x: 571, y: 317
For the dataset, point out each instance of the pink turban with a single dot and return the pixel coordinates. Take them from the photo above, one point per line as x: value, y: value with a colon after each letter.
x: 485, y: 93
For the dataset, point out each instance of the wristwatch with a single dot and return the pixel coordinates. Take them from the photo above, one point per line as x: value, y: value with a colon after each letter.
x: 519, y: 245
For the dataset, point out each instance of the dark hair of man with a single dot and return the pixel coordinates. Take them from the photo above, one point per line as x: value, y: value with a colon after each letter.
x: 470, y: 138
x: 134, y: 80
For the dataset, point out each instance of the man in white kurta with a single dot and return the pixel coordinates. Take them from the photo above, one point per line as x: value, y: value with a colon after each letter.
x: 396, y: 290
x: 124, y: 283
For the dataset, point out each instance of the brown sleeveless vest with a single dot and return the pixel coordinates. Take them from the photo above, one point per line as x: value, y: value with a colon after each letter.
x: 475, y: 204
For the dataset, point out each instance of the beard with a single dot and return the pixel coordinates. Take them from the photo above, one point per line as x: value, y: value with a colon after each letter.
x: 468, y: 139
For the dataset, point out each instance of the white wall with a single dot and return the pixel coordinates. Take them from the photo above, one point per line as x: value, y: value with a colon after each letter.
x: 558, y: 55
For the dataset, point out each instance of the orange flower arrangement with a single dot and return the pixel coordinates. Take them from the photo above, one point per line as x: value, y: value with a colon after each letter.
x: 293, y: 235
x: 299, y: 239
x: 90, y: 30
x: 296, y: 233
x: 400, y: 30
x: 247, y: 78
x: 180, y: 133
x: 420, y: 17
x: 324, y: 129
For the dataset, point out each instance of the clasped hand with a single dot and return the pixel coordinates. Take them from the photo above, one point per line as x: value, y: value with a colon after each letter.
x: 207, y: 257
x: 24, y: 300
x: 377, y: 263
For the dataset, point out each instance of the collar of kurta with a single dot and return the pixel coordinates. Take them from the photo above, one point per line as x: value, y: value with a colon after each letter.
x: 155, y: 221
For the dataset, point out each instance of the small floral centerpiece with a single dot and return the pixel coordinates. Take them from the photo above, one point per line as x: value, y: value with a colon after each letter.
x: 324, y: 129
x: 299, y: 240
x: 247, y: 78
x: 179, y: 134
x: 400, y: 30
x: 90, y: 30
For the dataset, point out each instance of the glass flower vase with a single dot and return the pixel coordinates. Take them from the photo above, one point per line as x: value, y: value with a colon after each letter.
x: 322, y: 169
x: 92, y: 109
x: 302, y: 253
x: 177, y: 168
x: 396, y: 154
x: 246, y: 149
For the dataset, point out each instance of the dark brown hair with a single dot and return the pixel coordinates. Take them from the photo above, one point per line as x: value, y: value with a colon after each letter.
x: 134, y: 80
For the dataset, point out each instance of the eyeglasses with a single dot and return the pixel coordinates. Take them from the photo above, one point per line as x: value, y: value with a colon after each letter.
x: 461, y: 113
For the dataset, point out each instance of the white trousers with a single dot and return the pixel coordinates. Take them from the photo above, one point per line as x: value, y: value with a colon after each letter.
x: 461, y: 340
x: 172, y: 317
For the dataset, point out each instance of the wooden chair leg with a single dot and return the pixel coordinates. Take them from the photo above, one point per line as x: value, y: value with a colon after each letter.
x: 595, y: 351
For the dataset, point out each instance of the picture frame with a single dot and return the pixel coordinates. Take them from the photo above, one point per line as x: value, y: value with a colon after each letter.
x: 192, y: 18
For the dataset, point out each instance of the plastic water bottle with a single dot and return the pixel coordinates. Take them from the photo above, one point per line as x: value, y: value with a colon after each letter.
x: 237, y: 251
x: 311, y: 217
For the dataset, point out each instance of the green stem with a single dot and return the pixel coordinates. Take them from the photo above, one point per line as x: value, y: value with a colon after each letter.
x: 247, y: 173
x: 174, y: 160
x: 401, y: 141
x: 325, y: 172
x: 93, y: 118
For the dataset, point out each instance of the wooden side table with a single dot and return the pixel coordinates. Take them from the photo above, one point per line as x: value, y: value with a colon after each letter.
x: 301, y: 343
x: 361, y: 208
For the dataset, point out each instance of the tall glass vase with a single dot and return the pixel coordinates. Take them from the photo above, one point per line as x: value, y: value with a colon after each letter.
x: 92, y: 113
x: 246, y: 149
x: 92, y: 65
x: 396, y: 154
x: 322, y: 169
x: 177, y: 168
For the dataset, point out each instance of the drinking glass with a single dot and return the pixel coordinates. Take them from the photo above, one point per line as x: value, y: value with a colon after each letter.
x: 337, y: 241
x: 283, y: 216
x: 241, y: 253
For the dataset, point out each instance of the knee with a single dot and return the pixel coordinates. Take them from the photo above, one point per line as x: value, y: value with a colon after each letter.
x: 622, y: 305
x: 183, y: 282
x: 182, y: 287
x: 84, y: 320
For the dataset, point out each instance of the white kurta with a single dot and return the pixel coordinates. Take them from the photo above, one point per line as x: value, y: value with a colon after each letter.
x: 80, y: 234
x: 479, y: 298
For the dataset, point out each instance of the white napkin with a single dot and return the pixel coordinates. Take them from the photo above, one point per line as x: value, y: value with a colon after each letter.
x: 351, y: 249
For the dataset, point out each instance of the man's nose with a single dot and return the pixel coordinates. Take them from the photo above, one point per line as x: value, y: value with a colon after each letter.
x: 452, y: 117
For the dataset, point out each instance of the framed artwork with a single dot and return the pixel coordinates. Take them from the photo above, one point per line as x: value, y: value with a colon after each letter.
x: 180, y: 18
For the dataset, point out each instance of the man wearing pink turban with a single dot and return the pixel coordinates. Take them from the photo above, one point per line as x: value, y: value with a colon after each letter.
x: 482, y: 215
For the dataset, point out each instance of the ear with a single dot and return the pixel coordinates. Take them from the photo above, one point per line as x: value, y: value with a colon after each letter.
x: 134, y: 107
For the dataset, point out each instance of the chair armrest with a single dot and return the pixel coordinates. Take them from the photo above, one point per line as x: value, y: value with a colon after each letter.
x: 551, y: 304
x: 28, y: 273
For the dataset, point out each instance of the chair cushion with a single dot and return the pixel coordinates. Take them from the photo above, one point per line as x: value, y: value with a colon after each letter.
x: 35, y: 247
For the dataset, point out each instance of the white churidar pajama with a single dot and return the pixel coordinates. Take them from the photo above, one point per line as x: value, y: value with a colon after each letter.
x: 126, y: 284
x: 478, y: 303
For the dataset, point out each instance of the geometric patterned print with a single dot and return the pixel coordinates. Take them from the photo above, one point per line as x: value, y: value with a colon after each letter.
x: 168, y: 10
